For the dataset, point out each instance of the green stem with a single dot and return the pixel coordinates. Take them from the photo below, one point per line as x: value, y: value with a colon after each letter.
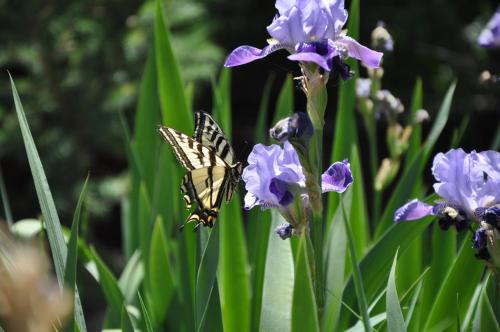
x: 358, y: 282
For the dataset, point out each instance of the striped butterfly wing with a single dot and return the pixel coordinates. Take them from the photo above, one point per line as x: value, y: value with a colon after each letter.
x: 208, y: 133
x: 190, y: 153
x: 205, y: 186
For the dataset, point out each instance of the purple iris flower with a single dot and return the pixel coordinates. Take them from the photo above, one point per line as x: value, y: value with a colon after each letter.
x: 337, y: 177
x: 469, y: 184
x: 490, y: 35
x: 311, y: 31
x: 274, y: 177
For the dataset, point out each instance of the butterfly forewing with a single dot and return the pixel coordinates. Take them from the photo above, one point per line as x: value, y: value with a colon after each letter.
x: 209, y: 134
x: 190, y: 153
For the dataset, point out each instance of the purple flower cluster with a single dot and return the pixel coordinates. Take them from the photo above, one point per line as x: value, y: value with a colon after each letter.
x: 274, y: 177
x: 469, y: 186
x: 311, y: 31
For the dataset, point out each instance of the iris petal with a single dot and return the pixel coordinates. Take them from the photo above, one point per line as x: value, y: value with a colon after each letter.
x: 413, y: 210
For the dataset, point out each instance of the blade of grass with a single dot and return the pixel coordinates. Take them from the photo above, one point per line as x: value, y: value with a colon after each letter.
x: 260, y: 134
x: 375, y: 264
x: 395, y: 320
x: 161, y: 280
x: 205, y: 279
x: 126, y: 323
x: 5, y: 200
x: 345, y: 123
x: 335, y: 262
x: 258, y: 225
x: 131, y: 277
x: 440, y: 314
x: 285, y: 103
x: 439, y: 123
x: 233, y: 272
x: 170, y: 87
x: 111, y: 291
x: 304, y: 310
x: 72, y: 257
x: 358, y: 282
x: 278, y: 281
x: 47, y: 205
x: 145, y: 314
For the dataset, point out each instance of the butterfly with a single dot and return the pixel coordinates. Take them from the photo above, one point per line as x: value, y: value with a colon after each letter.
x: 212, y: 169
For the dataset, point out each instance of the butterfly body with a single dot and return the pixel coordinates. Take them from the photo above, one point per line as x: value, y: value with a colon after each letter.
x: 212, y: 170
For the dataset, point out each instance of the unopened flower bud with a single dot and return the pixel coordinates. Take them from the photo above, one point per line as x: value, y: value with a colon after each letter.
x: 381, y: 39
x: 363, y: 87
x: 295, y: 127
x: 421, y: 116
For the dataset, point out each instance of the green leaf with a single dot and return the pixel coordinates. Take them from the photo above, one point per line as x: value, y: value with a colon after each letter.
x: 5, y: 200
x: 284, y: 104
x: 205, y: 279
x: 376, y: 263
x: 400, y: 195
x: 441, y: 314
x: 161, y: 281
x: 439, y: 123
x: 345, y: 123
x: 131, y: 277
x: 335, y: 261
x: 356, y: 273
x: 222, y: 101
x: 110, y: 289
x: 126, y: 322
x: 72, y: 258
x: 277, y: 290
x: 147, y: 117
x: 47, y: 205
x: 358, y: 212
x: 145, y: 314
x: 170, y: 87
x: 395, y: 320
x: 233, y: 271
x: 261, y: 132
x: 415, y: 141
x: 258, y: 226
x: 304, y: 310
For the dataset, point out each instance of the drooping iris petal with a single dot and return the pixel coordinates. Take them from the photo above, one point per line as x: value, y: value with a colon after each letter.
x: 337, y: 177
x: 245, y: 54
x: 311, y: 57
x: 355, y: 50
x: 490, y: 35
x: 413, y: 210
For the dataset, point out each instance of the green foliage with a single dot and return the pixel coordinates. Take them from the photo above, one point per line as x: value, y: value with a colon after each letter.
x: 239, y: 275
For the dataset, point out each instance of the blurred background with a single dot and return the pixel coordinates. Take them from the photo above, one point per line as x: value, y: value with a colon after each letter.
x: 77, y: 65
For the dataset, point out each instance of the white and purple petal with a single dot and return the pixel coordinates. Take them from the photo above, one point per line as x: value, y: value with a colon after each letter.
x: 490, y: 35
x: 413, y: 210
x: 355, y: 50
x: 245, y: 54
x: 338, y: 177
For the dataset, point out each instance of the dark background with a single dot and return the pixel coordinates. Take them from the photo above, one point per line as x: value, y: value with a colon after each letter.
x: 78, y: 63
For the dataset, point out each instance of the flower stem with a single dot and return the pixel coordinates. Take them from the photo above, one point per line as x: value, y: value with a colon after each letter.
x: 315, y: 90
